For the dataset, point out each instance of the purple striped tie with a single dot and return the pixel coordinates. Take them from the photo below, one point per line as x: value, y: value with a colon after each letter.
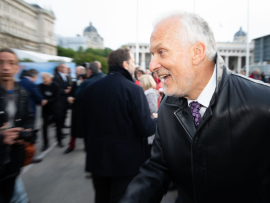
x: 195, y: 111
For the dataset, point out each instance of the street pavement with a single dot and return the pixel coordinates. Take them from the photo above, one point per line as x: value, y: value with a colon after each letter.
x: 60, y: 178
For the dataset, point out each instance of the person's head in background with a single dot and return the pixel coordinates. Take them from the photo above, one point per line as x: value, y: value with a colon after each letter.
x: 8, y: 65
x: 122, y: 58
x: 68, y: 71
x: 32, y: 74
x: 98, y: 64
x: 155, y: 76
x: 92, y: 69
x: 62, y: 68
x: 138, y: 74
x: 147, y: 72
x: 47, y: 78
x: 80, y: 70
x: 147, y: 82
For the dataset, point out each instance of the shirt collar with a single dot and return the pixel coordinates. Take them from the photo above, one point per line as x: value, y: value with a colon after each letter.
x: 207, y: 93
x: 29, y: 78
x: 62, y: 74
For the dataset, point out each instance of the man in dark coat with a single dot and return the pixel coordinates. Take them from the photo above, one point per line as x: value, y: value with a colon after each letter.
x: 28, y: 82
x: 93, y: 74
x: 50, y: 111
x: 62, y: 81
x: 116, y: 123
x: 76, y: 107
x: 212, y: 137
x: 99, y: 67
x: 16, y: 115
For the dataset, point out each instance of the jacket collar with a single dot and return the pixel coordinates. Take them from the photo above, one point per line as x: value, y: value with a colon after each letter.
x: 222, y: 76
x: 3, y: 91
x: 95, y: 75
x: 121, y: 71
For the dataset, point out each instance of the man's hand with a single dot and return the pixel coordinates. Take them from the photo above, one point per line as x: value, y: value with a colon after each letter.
x: 44, y: 102
x: 10, y: 135
x: 67, y: 90
x: 70, y: 100
x: 154, y: 115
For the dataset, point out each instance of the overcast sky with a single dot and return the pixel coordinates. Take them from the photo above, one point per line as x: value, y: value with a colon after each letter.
x: 115, y: 20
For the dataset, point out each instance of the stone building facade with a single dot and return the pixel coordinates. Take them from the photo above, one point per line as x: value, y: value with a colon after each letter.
x: 233, y: 53
x: 94, y: 40
x: 90, y: 39
x: 26, y: 27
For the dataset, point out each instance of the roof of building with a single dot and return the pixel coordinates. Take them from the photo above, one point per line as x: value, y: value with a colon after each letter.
x: 240, y: 33
x: 36, y: 6
x: 262, y: 37
x: 90, y: 28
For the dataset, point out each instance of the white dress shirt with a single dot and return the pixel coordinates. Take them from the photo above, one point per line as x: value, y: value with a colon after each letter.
x: 63, y: 75
x: 207, y: 93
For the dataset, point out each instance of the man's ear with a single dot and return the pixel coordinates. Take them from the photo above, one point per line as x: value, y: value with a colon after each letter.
x: 199, y: 53
x: 125, y: 65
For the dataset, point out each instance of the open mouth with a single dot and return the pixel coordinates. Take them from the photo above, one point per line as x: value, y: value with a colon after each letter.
x: 165, y: 78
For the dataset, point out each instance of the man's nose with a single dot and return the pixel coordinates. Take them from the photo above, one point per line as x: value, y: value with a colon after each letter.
x: 154, y: 64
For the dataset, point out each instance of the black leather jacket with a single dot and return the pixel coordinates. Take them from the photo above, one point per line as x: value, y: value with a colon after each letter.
x: 12, y: 157
x: 226, y: 159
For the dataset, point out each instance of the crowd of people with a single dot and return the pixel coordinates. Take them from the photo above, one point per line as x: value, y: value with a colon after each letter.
x: 210, y: 136
x: 56, y: 94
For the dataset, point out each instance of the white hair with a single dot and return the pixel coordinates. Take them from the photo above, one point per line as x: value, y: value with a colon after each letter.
x: 194, y: 29
x: 81, y: 69
x: 46, y: 75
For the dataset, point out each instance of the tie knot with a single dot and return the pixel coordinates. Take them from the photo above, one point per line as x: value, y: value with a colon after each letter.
x: 195, y: 106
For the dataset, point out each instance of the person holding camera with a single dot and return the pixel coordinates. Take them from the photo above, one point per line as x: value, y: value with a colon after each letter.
x: 17, y: 121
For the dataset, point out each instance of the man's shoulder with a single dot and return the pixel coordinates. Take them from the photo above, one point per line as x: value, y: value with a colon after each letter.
x: 26, y: 83
x: 242, y: 81
x: 118, y: 84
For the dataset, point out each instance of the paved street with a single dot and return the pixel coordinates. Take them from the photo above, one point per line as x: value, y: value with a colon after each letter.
x: 60, y: 178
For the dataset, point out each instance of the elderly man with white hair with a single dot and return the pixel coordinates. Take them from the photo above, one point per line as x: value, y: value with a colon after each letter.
x: 50, y: 111
x: 212, y: 137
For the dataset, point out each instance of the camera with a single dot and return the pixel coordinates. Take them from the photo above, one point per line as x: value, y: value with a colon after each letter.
x: 83, y: 76
x: 86, y: 65
x: 28, y: 136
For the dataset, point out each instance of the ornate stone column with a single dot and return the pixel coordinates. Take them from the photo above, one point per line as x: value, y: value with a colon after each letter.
x: 227, y: 61
x: 143, y: 61
x: 239, y: 64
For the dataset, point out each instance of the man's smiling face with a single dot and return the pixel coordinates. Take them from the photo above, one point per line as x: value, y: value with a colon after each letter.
x: 172, y: 60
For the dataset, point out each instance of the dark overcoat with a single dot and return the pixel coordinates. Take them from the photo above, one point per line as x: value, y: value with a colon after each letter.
x: 225, y: 159
x: 116, y: 124
x: 77, y: 106
x: 51, y: 94
x: 62, y: 87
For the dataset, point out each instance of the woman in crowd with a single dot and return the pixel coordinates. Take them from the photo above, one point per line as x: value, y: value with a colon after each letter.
x: 148, y: 84
x: 138, y: 73
x: 50, y: 91
x: 159, y: 86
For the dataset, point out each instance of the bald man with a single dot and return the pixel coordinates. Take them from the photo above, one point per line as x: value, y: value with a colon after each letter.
x: 99, y: 67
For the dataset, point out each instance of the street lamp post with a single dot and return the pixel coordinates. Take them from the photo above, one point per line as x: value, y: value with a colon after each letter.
x: 137, y: 33
x: 247, y: 46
